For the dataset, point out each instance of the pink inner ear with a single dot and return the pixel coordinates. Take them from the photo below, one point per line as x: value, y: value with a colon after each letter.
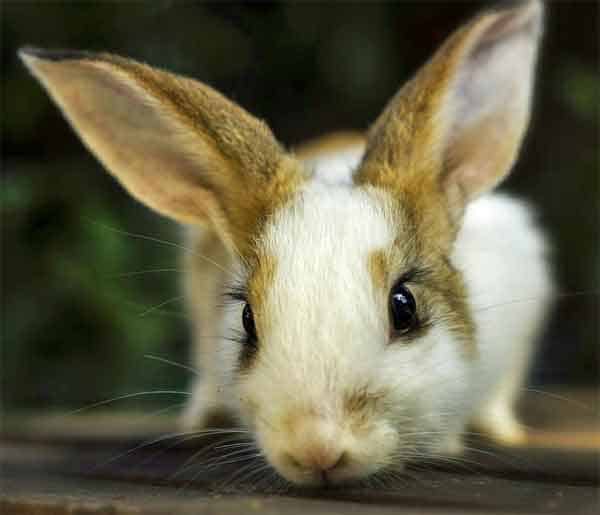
x: 481, y: 155
x: 521, y: 19
x: 490, y: 101
x: 131, y: 133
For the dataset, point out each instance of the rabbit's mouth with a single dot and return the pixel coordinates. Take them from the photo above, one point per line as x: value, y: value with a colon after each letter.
x: 317, y: 452
x: 322, y: 474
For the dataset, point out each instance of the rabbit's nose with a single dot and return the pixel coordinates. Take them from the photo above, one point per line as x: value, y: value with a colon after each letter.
x: 317, y: 458
x: 314, y: 445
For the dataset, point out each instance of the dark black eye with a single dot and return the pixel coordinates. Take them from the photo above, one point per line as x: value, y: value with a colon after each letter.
x: 248, y: 321
x: 403, y: 310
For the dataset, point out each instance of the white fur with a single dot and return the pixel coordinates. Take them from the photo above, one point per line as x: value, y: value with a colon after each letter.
x: 335, y: 167
x: 327, y: 336
x: 503, y: 257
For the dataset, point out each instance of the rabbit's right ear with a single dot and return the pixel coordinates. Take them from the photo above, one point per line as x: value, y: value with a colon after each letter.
x: 174, y: 143
x: 457, y: 126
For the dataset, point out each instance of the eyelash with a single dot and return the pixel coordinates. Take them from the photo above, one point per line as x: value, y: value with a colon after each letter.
x: 238, y: 337
x: 418, y: 276
x: 414, y: 275
x: 235, y: 294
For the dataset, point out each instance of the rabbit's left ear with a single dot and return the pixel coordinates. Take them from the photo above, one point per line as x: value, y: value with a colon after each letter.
x: 174, y: 143
x: 460, y: 122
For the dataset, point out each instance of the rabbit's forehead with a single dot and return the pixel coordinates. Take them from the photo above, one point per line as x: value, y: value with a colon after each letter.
x: 332, y: 241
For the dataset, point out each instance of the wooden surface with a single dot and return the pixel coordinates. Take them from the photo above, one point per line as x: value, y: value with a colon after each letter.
x: 90, y: 464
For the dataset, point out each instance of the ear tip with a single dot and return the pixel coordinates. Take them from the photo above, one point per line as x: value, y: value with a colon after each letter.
x: 534, y: 10
x: 530, y: 6
x: 30, y: 53
x: 524, y: 17
x: 527, y: 9
x: 536, y: 5
x: 535, y: 13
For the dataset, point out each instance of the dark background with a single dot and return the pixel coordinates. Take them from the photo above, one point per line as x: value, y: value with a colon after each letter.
x: 76, y: 326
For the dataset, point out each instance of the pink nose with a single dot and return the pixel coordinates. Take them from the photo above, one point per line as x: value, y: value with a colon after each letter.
x: 319, y: 458
x: 314, y: 444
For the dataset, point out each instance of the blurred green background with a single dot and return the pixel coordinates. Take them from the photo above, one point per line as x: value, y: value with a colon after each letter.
x: 75, y: 319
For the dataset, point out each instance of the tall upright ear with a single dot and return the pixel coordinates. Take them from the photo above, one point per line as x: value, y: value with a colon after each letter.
x: 460, y: 121
x: 174, y: 143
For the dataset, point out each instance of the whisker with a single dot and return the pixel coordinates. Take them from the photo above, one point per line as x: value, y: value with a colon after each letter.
x: 129, y: 396
x: 196, y: 475
x: 170, y: 362
x: 162, y: 242
x: 394, y: 478
x: 242, y: 258
x: 511, y: 460
x: 238, y: 444
x: 139, y: 236
x: 244, y: 457
x: 148, y: 271
x: 439, y: 459
x: 148, y: 443
x: 215, y: 462
x: 560, y: 398
x: 157, y: 311
x: 537, y: 299
x: 185, y: 465
x: 223, y: 484
x: 179, y: 442
x: 157, y: 306
x: 259, y: 468
x: 160, y: 411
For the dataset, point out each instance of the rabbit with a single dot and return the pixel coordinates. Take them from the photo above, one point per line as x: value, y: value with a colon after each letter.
x: 370, y: 277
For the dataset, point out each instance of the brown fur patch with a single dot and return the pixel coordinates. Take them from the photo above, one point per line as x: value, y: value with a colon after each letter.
x: 236, y: 134
x: 421, y: 248
x: 379, y: 269
x: 360, y: 405
x: 362, y: 399
x: 262, y: 269
x: 259, y: 285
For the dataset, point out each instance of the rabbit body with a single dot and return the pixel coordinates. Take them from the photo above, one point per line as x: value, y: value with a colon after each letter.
x: 383, y: 297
